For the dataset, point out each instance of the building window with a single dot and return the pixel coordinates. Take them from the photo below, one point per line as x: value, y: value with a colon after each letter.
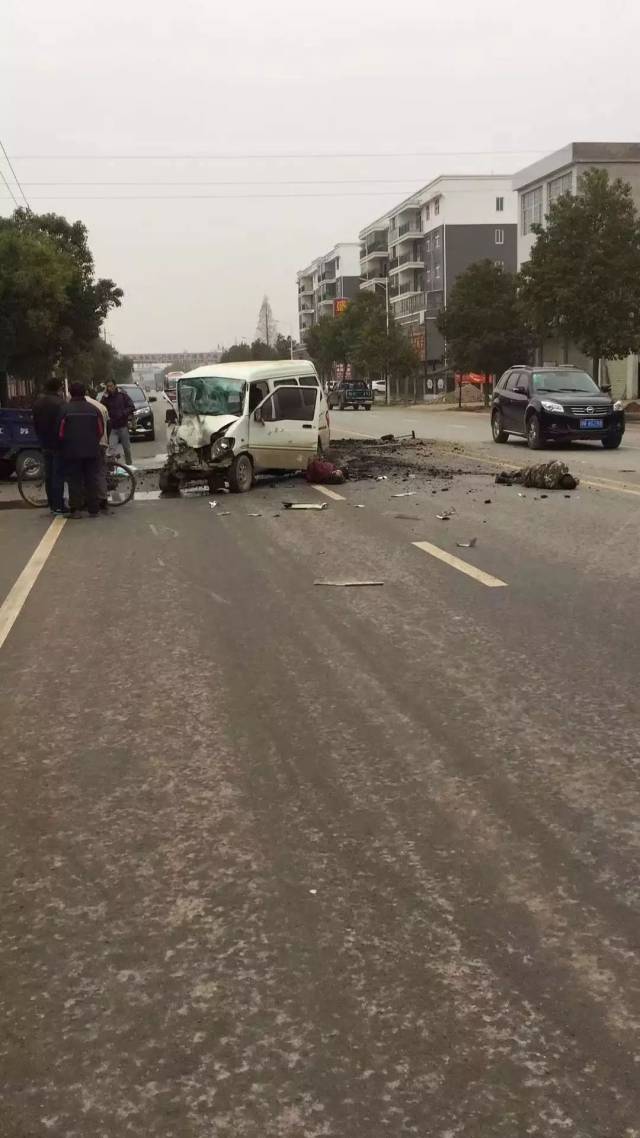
x: 531, y: 207
x: 436, y: 240
x: 499, y: 236
x: 428, y: 276
x: 559, y: 186
x: 436, y: 206
x: 427, y: 244
x: 499, y: 205
x: 437, y: 273
x: 427, y: 211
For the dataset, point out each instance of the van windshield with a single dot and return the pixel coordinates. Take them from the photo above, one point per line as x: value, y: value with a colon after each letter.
x: 212, y: 395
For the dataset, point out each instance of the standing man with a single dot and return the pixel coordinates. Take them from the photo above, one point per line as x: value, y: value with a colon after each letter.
x: 120, y: 408
x: 103, y: 492
x: 46, y: 418
x: 80, y: 431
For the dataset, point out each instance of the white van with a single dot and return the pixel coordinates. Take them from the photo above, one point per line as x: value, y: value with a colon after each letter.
x: 234, y: 420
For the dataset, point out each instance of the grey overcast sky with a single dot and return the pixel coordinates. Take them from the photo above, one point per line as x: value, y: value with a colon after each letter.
x: 287, y: 77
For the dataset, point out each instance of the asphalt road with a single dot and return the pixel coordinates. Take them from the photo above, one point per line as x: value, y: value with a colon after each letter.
x: 471, y: 429
x: 287, y: 860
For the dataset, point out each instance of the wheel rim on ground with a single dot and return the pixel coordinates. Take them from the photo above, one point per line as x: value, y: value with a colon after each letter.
x: 33, y: 489
x: 533, y: 429
x: 121, y: 485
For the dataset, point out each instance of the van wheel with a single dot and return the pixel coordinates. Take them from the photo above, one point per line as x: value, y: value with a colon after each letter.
x: 168, y: 483
x: 241, y: 474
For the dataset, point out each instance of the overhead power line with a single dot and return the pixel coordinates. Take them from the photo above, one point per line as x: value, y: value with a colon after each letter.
x: 17, y: 180
x: 17, y: 203
x: 270, y: 157
x: 203, y: 197
x: 249, y: 182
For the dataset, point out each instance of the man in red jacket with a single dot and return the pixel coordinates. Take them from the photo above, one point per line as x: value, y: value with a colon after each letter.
x: 81, y: 428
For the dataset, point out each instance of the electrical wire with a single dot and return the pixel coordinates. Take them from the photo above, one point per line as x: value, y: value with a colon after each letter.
x: 17, y: 180
x: 268, y: 157
x: 16, y: 202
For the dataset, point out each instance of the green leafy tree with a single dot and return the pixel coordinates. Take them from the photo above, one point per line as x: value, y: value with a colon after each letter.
x: 98, y: 364
x: 582, y: 281
x: 483, y: 323
x: 360, y: 337
x: 51, y: 304
x: 237, y: 353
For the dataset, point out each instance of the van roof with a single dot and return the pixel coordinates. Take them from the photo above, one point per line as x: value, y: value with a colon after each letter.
x: 254, y: 369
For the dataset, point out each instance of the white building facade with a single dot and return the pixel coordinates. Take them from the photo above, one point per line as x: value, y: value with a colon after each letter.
x: 537, y: 187
x: 326, y: 281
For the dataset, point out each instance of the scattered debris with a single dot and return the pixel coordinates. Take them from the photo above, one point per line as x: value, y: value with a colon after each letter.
x: 522, y: 495
x: 404, y: 494
x: 387, y: 438
x: 359, y: 507
x: 212, y: 505
x: 444, y: 517
x: 348, y: 584
x: 544, y: 496
x: 320, y: 471
x: 487, y: 501
x: 406, y: 517
x: 254, y: 515
x: 224, y: 514
x: 547, y: 476
x: 470, y: 544
x: 382, y: 478
x: 313, y: 891
x: 627, y: 471
x: 304, y: 505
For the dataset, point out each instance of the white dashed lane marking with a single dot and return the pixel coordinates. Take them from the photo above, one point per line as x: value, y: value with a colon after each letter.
x: 330, y: 493
x: 461, y: 566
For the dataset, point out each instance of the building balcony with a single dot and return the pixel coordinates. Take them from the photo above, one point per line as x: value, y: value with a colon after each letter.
x: 371, y: 283
x: 302, y: 308
x: 405, y: 288
x: 305, y: 290
x: 374, y: 249
x: 407, y: 230
x: 408, y: 305
x: 410, y: 260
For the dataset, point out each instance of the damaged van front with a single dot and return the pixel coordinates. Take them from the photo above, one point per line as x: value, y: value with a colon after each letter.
x: 236, y: 419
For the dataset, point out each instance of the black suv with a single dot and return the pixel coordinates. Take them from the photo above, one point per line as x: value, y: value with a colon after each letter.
x: 141, y: 424
x: 554, y: 403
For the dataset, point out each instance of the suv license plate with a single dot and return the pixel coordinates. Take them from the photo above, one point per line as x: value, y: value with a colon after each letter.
x: 591, y: 424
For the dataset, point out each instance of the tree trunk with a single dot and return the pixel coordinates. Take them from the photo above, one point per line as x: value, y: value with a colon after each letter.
x: 596, y: 369
x: 565, y: 350
x: 4, y: 388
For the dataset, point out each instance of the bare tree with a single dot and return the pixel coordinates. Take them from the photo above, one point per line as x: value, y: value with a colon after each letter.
x: 267, y: 325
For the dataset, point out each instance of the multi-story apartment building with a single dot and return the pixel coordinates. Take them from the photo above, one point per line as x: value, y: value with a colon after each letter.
x: 327, y: 281
x: 537, y: 186
x: 434, y: 236
x: 374, y: 254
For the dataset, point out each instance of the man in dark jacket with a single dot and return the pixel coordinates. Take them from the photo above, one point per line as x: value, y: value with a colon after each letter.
x: 46, y: 418
x: 120, y: 408
x: 80, y: 431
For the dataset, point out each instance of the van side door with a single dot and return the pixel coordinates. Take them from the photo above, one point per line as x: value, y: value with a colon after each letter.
x: 283, y: 430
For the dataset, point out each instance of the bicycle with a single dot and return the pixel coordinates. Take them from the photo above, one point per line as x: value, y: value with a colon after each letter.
x: 121, y: 483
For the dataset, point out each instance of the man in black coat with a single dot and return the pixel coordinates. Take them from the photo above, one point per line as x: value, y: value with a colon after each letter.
x: 46, y: 420
x: 81, y: 428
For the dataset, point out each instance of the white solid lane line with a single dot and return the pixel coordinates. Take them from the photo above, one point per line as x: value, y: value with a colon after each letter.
x: 329, y: 493
x: 461, y: 566
x: 11, y: 607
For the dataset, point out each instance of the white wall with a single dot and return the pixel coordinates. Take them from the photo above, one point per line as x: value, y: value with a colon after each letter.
x: 470, y: 201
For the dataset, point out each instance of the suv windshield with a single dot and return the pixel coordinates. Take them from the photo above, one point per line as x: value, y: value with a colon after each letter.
x: 565, y: 381
x: 135, y: 393
x: 212, y: 395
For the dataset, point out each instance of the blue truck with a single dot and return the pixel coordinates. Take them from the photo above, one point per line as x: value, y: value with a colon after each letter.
x: 19, y: 446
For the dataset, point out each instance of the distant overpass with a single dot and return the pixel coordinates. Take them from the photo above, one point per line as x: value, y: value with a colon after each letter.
x: 185, y: 359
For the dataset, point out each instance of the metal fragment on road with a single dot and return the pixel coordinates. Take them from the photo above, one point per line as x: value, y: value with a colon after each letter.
x: 404, y: 494
x: 382, y: 478
x: 348, y: 584
x: 445, y: 517
x: 305, y: 505
x: 212, y: 505
x: 254, y: 515
x: 470, y: 544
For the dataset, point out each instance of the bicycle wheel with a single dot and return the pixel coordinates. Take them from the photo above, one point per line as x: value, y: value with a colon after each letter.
x: 32, y: 487
x: 121, y: 484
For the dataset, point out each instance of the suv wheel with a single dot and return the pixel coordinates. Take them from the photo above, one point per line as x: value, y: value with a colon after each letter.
x: 535, y: 440
x: 612, y: 441
x: 497, y: 428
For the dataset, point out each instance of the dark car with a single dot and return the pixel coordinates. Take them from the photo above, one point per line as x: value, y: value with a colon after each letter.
x: 352, y: 392
x: 142, y: 424
x: 554, y: 404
